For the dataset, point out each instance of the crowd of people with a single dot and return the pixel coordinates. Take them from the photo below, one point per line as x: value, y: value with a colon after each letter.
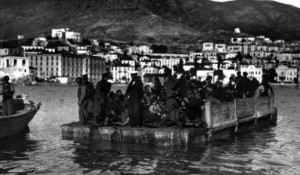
x: 178, y: 102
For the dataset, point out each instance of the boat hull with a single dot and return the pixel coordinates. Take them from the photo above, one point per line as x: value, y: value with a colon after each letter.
x: 11, y: 125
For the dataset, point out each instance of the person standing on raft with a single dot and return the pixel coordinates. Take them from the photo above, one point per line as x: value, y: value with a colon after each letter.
x: 135, y: 94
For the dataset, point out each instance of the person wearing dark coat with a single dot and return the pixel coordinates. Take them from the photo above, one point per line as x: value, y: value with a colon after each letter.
x: 82, y: 100
x: 254, y: 84
x: 7, y: 92
x: 134, y: 94
x: 266, y: 87
x: 90, y: 91
x: 100, y: 98
x: 242, y: 86
x: 157, y: 87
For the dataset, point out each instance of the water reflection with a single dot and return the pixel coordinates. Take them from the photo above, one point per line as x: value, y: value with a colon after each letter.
x: 265, y: 150
x: 14, y: 150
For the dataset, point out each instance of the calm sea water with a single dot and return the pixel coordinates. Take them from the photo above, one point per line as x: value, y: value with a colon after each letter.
x: 271, y: 150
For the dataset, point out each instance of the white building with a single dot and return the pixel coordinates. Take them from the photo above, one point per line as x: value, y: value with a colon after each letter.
x: 58, y: 33
x: 237, y: 30
x: 107, y: 56
x: 145, y: 63
x: 208, y: 46
x: 20, y: 37
x: 170, y: 55
x: 83, y: 50
x: 142, y: 50
x: 4, y: 51
x: 121, y: 73
x: 170, y: 63
x: 235, y: 48
x: 64, y: 33
x: 203, y: 73
x: 149, y: 70
x: 39, y: 41
x: 15, y: 67
x: 129, y: 62
x: 188, y: 66
x: 230, y: 55
x: 286, y: 74
x: 75, y: 36
x: 273, y: 48
x: 220, y: 48
x: 253, y: 72
x: 227, y: 74
x: 32, y: 48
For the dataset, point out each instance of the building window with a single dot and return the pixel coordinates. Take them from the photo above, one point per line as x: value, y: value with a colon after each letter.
x: 23, y: 62
x: 15, y: 62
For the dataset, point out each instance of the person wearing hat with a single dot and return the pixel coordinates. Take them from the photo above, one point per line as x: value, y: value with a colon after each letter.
x: 7, y: 92
x: 85, y: 100
x: 134, y: 94
x: 171, y: 83
x: 100, y: 98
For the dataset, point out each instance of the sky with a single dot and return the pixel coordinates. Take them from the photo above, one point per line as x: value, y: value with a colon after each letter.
x: 290, y: 2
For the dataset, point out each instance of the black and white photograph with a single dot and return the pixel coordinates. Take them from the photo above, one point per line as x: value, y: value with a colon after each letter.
x: 150, y: 87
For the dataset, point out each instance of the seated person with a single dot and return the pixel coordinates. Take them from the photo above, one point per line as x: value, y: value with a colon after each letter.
x: 193, y: 106
x: 154, y: 112
x: 113, y: 110
x: 172, y: 110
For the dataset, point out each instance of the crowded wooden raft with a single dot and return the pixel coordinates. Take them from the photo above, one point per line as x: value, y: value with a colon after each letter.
x: 179, y: 102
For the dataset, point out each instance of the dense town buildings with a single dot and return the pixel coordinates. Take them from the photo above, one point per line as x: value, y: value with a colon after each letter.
x: 65, y: 55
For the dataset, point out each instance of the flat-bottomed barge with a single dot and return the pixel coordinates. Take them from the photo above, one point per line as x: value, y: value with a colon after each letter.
x: 222, y: 119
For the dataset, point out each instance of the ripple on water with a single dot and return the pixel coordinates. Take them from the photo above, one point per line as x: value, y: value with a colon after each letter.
x: 42, y: 151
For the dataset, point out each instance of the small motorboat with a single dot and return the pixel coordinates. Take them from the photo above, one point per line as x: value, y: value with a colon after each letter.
x: 24, y: 112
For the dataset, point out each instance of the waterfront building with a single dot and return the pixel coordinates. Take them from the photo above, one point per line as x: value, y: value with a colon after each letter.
x: 16, y: 67
x: 203, y: 73
x: 253, y: 71
x: 286, y: 74
x: 171, y: 62
x: 227, y: 74
x: 149, y: 70
x: 121, y: 73
x: 94, y: 67
x: 67, y: 65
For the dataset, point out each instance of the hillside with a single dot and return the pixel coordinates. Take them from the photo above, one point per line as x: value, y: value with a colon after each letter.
x: 150, y: 21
